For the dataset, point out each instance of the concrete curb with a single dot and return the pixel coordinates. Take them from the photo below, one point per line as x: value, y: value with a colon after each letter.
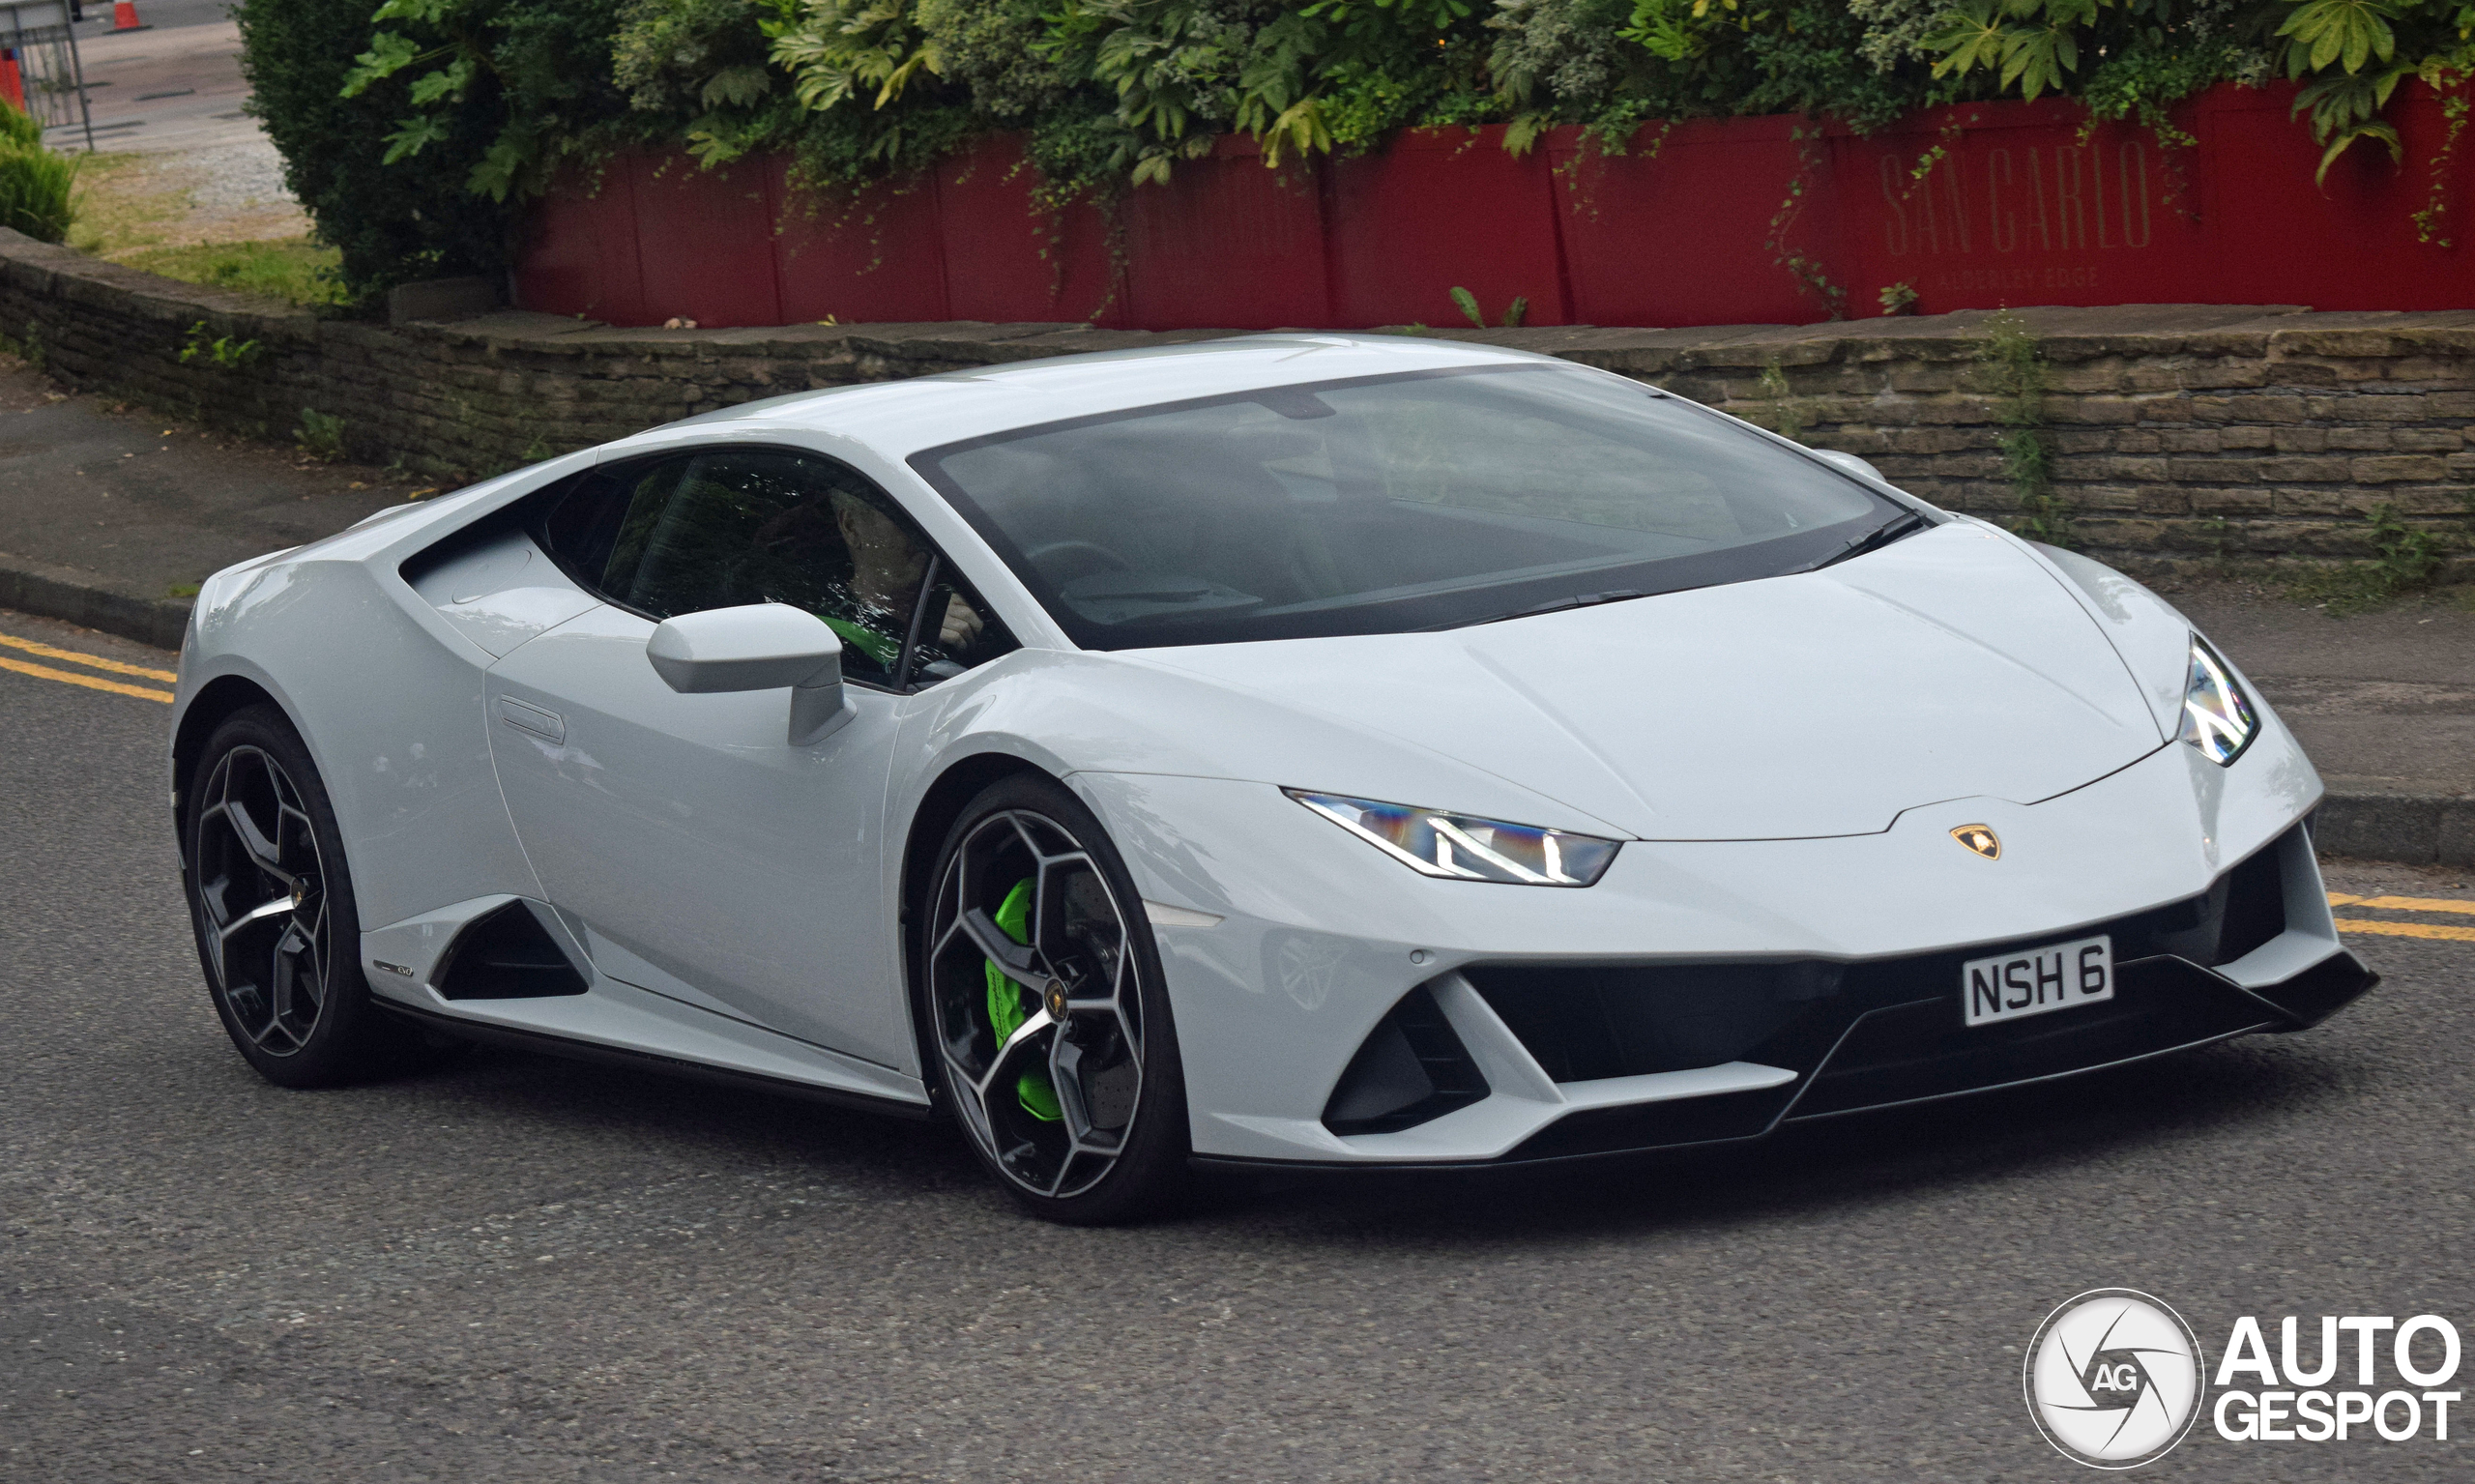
x: 92, y: 600
x: 2415, y: 828
x: 2367, y: 822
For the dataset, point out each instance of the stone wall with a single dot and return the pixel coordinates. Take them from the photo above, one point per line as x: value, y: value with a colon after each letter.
x: 2181, y: 434
x: 2190, y: 433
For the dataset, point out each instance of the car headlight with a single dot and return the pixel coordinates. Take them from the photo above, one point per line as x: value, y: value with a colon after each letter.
x: 2217, y: 716
x: 1458, y: 847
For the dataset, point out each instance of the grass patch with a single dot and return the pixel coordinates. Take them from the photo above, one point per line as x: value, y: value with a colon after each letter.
x: 131, y: 209
x: 292, y: 268
x: 124, y: 203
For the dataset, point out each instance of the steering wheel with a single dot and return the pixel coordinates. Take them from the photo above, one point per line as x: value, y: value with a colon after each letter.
x: 1095, y: 558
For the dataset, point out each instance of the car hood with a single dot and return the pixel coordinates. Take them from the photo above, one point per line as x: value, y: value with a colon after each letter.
x: 1949, y: 665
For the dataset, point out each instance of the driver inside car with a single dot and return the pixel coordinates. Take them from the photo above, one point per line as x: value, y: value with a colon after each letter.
x: 886, y: 570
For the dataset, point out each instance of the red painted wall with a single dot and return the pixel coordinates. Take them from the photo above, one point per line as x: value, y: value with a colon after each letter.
x: 1694, y: 224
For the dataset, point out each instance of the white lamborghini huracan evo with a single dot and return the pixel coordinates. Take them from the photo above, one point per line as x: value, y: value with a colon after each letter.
x: 1289, y: 750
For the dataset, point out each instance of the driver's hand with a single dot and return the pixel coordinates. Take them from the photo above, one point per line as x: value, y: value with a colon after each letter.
x: 962, y: 624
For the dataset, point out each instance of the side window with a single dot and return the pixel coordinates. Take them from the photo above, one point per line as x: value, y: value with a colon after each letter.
x: 582, y: 523
x: 957, y: 630
x: 726, y: 527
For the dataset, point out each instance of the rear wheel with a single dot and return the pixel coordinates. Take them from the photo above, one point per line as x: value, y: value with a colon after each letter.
x: 1046, y: 1006
x: 271, y: 903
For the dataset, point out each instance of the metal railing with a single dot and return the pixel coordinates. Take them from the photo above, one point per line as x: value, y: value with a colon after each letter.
x: 38, y: 68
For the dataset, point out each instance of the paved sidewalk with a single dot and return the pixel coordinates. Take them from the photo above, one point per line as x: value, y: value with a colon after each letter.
x: 175, y: 86
x: 107, y: 516
x: 104, y: 514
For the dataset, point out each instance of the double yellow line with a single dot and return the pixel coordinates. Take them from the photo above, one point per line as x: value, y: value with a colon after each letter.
x: 2423, y: 904
x: 91, y: 662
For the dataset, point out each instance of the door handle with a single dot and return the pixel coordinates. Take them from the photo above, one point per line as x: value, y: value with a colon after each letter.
x: 524, y: 716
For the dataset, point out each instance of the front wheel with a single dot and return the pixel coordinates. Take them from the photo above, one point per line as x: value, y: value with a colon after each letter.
x: 272, y: 902
x: 1048, y: 1011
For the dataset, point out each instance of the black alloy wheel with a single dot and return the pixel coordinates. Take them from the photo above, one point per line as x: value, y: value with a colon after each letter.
x: 271, y: 903
x: 1046, y: 1008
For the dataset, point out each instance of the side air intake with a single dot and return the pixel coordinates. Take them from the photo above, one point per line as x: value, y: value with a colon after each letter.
x: 507, y: 955
x: 1412, y: 1069
x: 1587, y: 1021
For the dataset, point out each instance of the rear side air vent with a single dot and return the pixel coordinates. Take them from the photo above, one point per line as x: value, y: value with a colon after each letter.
x: 1412, y: 1069
x: 507, y: 955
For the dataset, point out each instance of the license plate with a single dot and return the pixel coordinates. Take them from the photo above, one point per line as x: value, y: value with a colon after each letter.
x: 2035, y: 980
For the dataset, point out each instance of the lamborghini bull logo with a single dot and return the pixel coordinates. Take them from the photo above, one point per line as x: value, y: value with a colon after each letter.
x: 1980, y: 838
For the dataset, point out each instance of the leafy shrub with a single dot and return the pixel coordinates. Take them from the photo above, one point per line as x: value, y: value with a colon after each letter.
x: 38, y: 187
x: 389, y: 220
x: 2405, y: 560
x: 229, y: 352
x: 320, y: 435
x: 18, y: 128
x: 404, y: 144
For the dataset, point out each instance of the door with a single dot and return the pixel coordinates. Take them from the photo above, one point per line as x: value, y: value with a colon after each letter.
x: 706, y: 858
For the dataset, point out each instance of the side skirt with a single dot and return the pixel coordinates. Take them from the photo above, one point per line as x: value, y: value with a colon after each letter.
x: 522, y: 1039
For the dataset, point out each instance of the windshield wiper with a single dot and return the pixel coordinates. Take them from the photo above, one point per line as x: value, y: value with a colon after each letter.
x: 1576, y: 601
x: 1873, y: 541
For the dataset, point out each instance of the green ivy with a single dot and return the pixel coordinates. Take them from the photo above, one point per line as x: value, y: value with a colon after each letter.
x: 229, y: 352
x: 2014, y: 367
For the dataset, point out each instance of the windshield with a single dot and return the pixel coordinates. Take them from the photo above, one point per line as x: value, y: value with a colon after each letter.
x: 1388, y: 504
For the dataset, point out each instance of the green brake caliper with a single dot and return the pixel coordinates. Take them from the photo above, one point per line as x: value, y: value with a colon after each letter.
x: 1007, y: 1008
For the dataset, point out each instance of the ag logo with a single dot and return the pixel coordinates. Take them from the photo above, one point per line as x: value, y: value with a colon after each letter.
x: 2114, y: 1379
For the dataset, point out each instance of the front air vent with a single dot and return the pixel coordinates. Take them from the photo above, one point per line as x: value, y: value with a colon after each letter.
x: 2240, y: 911
x: 1587, y: 1021
x: 507, y: 955
x: 2254, y: 904
x: 1412, y: 1069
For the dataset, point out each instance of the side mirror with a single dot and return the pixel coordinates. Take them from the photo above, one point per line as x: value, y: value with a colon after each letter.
x: 761, y: 647
x: 1852, y: 464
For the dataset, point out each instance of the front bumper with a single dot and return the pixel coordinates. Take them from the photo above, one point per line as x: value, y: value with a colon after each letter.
x: 1316, y: 966
x: 1865, y: 1056
x: 2247, y: 956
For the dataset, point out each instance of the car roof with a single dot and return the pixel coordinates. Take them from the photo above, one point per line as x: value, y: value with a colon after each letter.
x: 899, y: 418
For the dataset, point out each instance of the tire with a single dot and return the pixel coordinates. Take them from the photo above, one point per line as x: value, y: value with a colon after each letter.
x: 1031, y: 914
x: 271, y: 901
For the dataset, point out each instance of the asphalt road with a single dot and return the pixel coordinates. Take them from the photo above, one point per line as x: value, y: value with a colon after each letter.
x: 521, y: 1268
x: 159, y: 15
